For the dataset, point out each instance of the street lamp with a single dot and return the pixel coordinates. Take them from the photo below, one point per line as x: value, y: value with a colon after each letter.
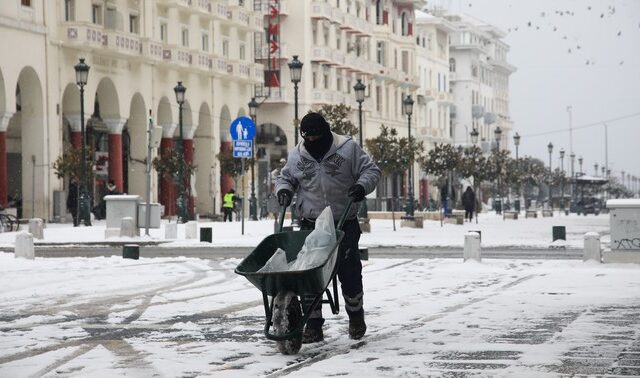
x: 359, y: 90
x: 573, y: 178
x: 408, y: 110
x: 550, y: 149
x: 562, y: 181
x: 497, y: 133
x: 182, y: 197
x: 580, y: 160
x: 516, y: 142
x: 474, y: 136
x: 595, y: 167
x: 82, y: 74
x: 295, y: 71
x: 253, y: 206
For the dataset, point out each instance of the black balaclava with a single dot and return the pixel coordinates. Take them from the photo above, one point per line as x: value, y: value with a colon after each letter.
x: 314, y: 124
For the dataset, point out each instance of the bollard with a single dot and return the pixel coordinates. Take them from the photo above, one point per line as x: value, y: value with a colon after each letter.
x: 24, y: 246
x: 131, y: 251
x: 206, y: 234
x: 364, y: 254
x: 171, y: 231
x: 472, y: 247
x: 128, y: 228
x: 592, y: 249
x: 191, y: 230
x: 36, y: 226
x: 559, y: 232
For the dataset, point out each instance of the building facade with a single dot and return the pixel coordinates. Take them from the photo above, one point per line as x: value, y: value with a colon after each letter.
x: 137, y: 50
x: 479, y: 74
x: 338, y: 42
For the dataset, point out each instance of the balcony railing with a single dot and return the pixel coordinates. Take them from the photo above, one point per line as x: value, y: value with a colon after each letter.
x: 123, y: 43
x: 263, y: 52
x: 283, y: 9
x: 321, y: 10
x: 322, y: 54
x: 275, y: 94
x: 80, y: 34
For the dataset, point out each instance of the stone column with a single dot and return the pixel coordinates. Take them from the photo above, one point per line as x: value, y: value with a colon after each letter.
x: 115, y: 126
x: 167, y: 185
x: 76, y: 129
x: 4, y: 179
x: 187, y: 145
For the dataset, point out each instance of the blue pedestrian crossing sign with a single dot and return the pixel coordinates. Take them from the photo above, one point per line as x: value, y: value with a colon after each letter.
x: 242, y: 128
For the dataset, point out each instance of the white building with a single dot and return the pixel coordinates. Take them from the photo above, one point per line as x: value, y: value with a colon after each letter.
x: 338, y: 41
x: 479, y: 81
x: 138, y: 50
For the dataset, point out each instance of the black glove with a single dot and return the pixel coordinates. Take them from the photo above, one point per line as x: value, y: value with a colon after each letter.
x: 356, y: 192
x: 284, y: 197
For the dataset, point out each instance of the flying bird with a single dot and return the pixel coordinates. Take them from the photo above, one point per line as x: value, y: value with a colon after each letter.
x: 622, y: 62
x: 555, y: 28
x: 569, y: 51
x: 619, y: 33
x: 587, y: 63
x: 529, y: 23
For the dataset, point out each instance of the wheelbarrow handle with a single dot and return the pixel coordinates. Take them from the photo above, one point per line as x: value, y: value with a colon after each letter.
x: 343, y: 217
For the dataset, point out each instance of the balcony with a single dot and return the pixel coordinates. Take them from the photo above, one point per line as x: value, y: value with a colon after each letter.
x: 322, y: 55
x: 502, y: 64
x: 239, y: 16
x: 327, y: 96
x: 177, y: 55
x: 266, y: 8
x: 275, y: 95
x: 444, y: 98
x: 321, y: 10
x: 123, y: 44
x: 219, y: 11
x: 83, y: 35
x: 263, y: 52
x: 204, y: 5
x: 203, y: 61
x: 339, y: 58
x: 337, y: 17
x: 430, y: 94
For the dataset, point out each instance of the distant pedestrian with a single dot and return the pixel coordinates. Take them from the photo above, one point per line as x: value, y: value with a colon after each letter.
x: 469, y: 203
x: 101, y: 210
x: 72, y: 200
x: 228, y: 204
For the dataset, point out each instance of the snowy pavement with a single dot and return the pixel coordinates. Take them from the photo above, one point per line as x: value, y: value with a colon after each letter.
x: 496, y: 233
x: 104, y: 317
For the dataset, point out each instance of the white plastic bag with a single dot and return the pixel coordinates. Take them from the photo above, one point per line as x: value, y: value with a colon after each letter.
x: 318, y: 244
x: 277, y: 263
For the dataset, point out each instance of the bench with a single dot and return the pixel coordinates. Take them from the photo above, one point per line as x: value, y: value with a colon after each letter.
x: 531, y: 214
x: 547, y: 213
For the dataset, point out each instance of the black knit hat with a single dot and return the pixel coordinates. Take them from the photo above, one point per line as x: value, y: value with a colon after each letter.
x: 314, y: 124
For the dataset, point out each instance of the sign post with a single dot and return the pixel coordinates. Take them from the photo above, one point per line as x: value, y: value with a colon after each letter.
x: 242, y: 130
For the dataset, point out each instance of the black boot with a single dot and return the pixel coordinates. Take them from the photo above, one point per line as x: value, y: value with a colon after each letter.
x: 312, y: 335
x: 357, y: 326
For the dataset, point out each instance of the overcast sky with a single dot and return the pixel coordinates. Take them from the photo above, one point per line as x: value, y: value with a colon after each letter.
x: 591, y: 62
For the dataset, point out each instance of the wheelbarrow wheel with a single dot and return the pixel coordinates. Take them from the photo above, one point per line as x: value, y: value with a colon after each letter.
x: 287, y: 315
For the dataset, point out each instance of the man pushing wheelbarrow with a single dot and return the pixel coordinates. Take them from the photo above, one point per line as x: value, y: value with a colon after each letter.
x: 329, y: 172
x: 325, y: 169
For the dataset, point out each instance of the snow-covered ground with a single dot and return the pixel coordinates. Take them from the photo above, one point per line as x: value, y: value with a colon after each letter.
x: 496, y: 232
x: 104, y: 317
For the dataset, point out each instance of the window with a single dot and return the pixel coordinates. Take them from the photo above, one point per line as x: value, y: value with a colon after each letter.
x: 241, y: 52
x: 133, y: 24
x: 163, y: 31
x: 404, y: 19
x: 69, y: 10
x: 25, y: 3
x: 338, y: 83
x: 379, y: 12
x: 111, y: 18
x: 185, y: 36
x: 325, y: 36
x: 96, y: 14
x: 325, y: 76
x: 225, y: 48
x: 205, y: 41
x: 378, y: 99
x: 474, y: 70
x: 314, y: 79
x: 338, y: 42
x: 405, y: 62
x: 452, y: 65
x: 439, y: 88
x: 380, y: 57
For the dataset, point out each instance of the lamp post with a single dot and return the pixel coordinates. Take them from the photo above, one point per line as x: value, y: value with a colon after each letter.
x: 595, y: 168
x: 516, y: 142
x: 474, y: 136
x: 497, y: 133
x: 253, y: 205
x: 573, y: 180
x: 562, y: 181
x: 295, y: 71
x: 550, y: 149
x: 408, y: 109
x: 82, y: 74
x: 359, y: 91
x: 580, y: 160
x: 182, y: 197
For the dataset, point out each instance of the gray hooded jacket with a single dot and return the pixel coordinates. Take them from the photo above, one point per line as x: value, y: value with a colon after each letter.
x: 326, y: 183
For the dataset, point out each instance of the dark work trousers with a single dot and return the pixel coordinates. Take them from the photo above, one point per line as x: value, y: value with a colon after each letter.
x: 349, y: 273
x: 228, y: 213
x: 468, y: 214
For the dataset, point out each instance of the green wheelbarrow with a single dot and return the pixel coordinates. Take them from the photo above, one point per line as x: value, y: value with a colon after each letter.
x: 284, y: 311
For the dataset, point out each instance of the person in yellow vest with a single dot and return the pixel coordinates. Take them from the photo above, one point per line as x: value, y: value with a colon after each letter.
x: 229, y: 201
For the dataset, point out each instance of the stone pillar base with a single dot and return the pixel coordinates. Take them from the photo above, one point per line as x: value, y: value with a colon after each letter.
x: 412, y: 222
